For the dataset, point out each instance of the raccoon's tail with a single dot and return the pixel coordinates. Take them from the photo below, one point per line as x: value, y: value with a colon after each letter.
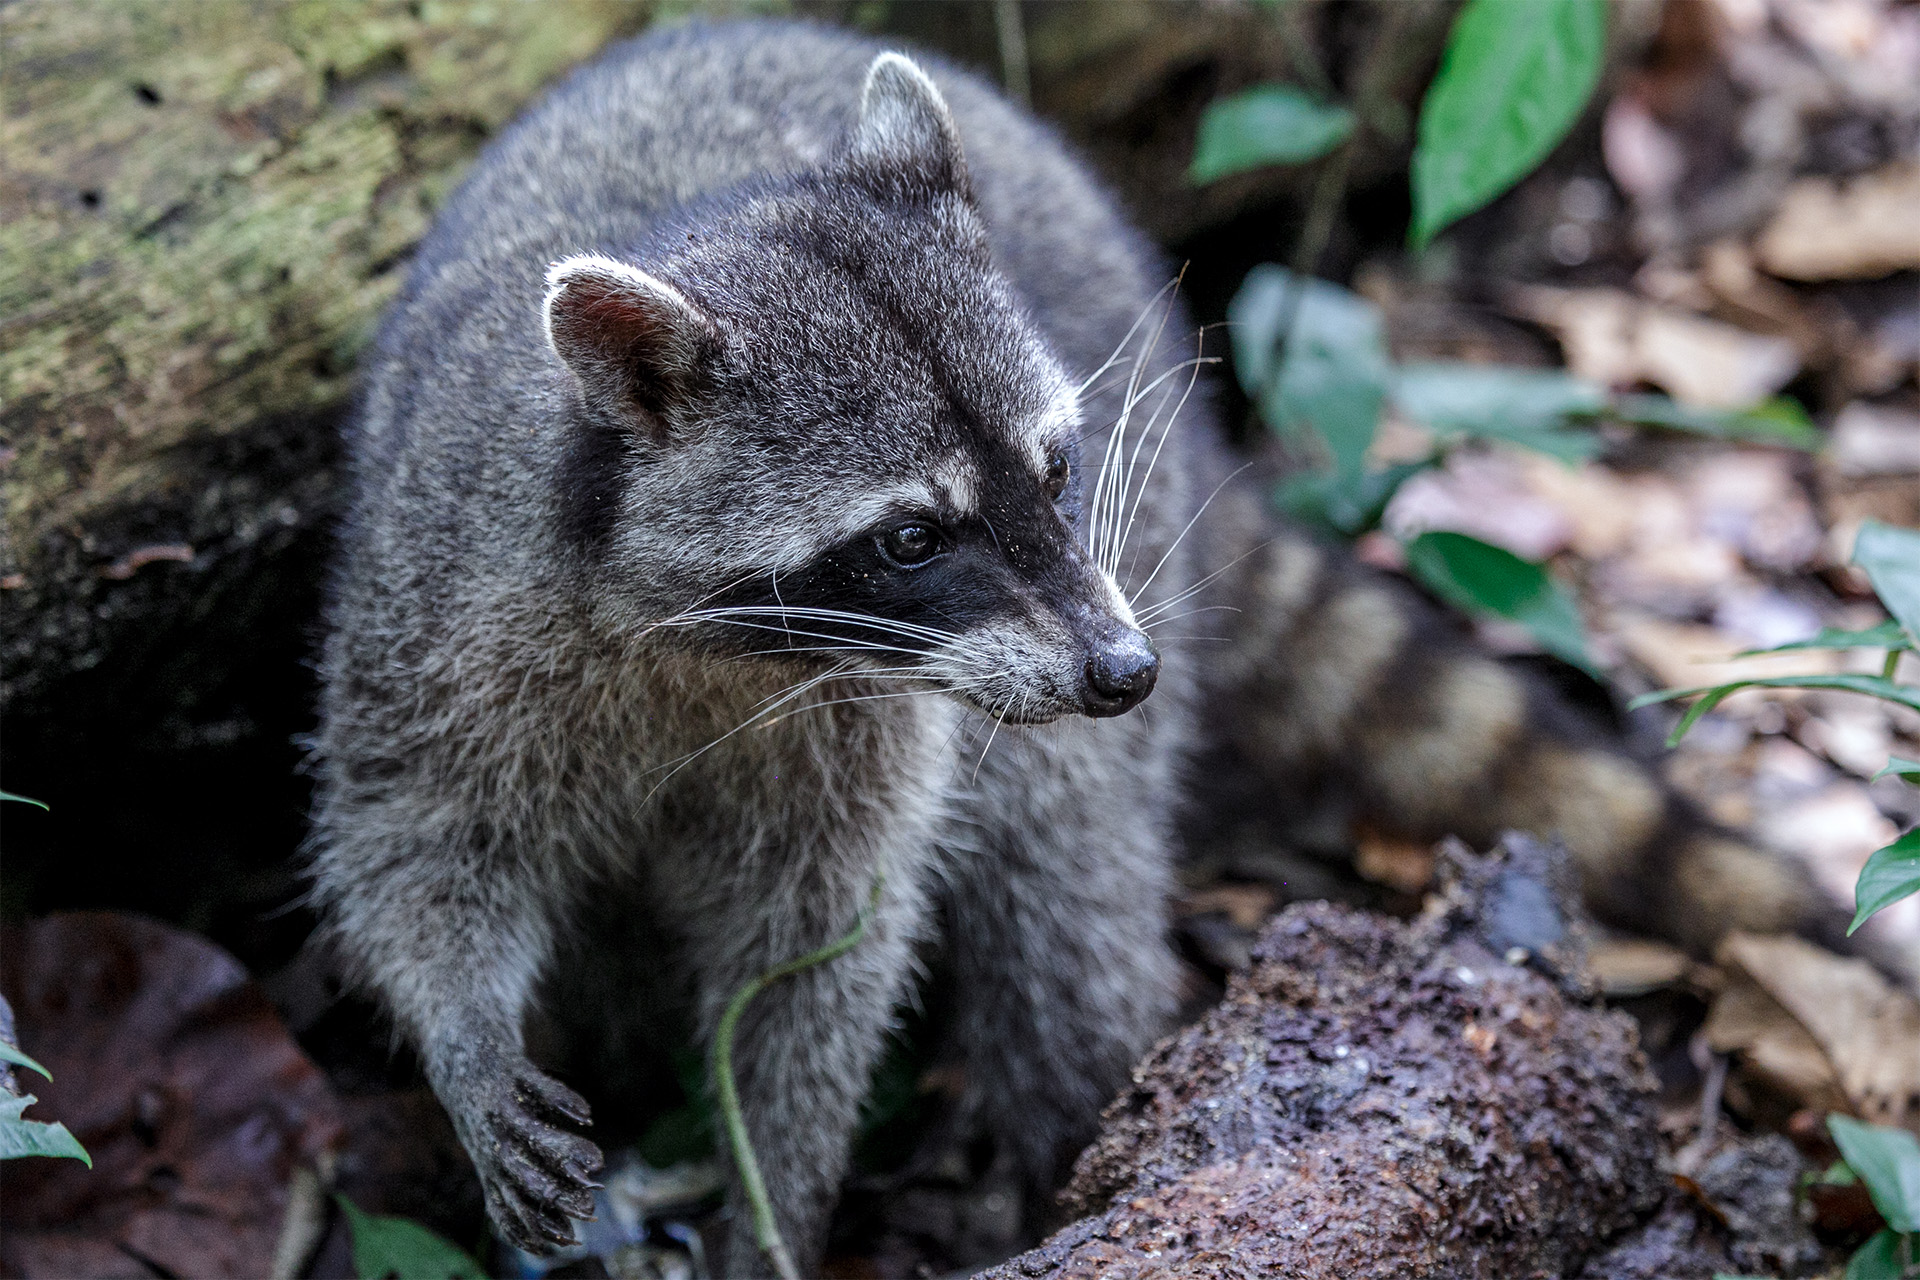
x: 1343, y: 686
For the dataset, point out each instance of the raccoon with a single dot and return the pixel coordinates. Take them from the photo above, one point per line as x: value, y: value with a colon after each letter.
x: 766, y: 493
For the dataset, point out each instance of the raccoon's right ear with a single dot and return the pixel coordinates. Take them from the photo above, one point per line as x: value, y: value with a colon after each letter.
x: 634, y: 342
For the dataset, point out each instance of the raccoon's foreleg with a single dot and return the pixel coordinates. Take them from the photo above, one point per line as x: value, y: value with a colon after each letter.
x: 806, y: 1047
x: 1344, y: 674
x: 450, y: 921
x: 1056, y: 897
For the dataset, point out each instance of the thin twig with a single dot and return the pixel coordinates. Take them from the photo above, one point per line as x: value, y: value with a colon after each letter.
x: 766, y: 1230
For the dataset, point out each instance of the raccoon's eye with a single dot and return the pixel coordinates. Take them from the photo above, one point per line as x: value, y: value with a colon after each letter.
x: 910, y: 544
x: 1057, y: 472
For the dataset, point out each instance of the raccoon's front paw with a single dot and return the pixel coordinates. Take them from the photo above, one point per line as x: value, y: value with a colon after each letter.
x: 537, y: 1176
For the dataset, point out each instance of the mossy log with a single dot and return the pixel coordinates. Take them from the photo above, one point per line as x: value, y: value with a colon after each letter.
x: 203, y: 208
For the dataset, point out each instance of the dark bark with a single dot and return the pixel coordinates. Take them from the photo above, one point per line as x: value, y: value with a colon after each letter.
x: 1373, y: 1098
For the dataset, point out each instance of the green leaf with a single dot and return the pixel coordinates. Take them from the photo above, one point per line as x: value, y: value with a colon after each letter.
x: 1344, y: 504
x: 1515, y: 76
x: 1779, y: 420
x: 1270, y: 124
x: 1888, y: 1161
x: 1891, y: 874
x: 1888, y: 635
x: 1879, y: 1258
x: 1891, y: 557
x: 1908, y: 769
x: 12, y: 1054
x: 1481, y: 578
x: 1527, y: 407
x: 8, y: 795
x: 1331, y: 376
x: 1877, y: 686
x: 22, y: 1137
x: 403, y: 1249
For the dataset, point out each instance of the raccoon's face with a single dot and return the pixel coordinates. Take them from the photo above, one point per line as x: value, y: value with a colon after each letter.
x: 837, y: 438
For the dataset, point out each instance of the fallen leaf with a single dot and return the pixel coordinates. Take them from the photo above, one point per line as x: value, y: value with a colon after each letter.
x: 1867, y: 1028
x: 1635, y: 966
x: 1855, y: 229
x: 171, y: 1066
x: 1875, y: 440
x: 1406, y: 865
x: 1620, y: 341
x: 1246, y: 905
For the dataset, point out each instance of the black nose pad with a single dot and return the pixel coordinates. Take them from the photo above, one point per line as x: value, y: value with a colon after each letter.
x: 1120, y: 675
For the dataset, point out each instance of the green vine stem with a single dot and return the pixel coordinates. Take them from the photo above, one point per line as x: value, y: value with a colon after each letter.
x: 766, y: 1230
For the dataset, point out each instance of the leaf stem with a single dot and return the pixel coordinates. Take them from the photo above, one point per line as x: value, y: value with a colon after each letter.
x: 766, y: 1230
x: 1892, y: 662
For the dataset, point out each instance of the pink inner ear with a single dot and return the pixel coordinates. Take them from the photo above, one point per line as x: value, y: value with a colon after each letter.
x: 630, y: 346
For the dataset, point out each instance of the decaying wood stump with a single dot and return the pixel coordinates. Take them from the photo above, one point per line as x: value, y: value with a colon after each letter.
x: 1373, y: 1098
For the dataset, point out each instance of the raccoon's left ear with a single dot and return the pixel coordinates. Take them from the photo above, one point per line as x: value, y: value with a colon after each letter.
x: 633, y: 342
x: 906, y: 129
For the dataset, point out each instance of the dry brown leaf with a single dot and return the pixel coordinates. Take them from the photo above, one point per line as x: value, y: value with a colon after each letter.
x: 1406, y: 865
x: 1635, y: 966
x: 1859, y: 229
x: 1875, y: 440
x: 1618, y: 340
x: 1868, y: 1029
x: 1771, y: 1043
x: 1246, y: 905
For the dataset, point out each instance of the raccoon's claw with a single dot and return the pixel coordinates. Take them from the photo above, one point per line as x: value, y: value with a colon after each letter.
x: 537, y: 1176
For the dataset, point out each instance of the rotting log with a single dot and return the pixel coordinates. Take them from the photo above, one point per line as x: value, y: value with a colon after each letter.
x: 1380, y: 1099
x: 203, y: 208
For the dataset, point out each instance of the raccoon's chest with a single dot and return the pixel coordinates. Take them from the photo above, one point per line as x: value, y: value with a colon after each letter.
x: 790, y: 774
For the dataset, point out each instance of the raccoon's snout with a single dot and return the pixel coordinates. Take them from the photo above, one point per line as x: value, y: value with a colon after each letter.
x: 1120, y: 674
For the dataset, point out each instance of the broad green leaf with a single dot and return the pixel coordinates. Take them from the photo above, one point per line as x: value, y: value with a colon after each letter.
x: 1515, y: 76
x: 1891, y: 557
x: 1270, y: 124
x: 1909, y: 769
x: 22, y: 1137
x: 8, y: 795
x: 1713, y: 694
x: 403, y: 1249
x: 1891, y: 874
x: 1888, y: 635
x: 1888, y: 1161
x: 1879, y: 1258
x: 1345, y: 503
x: 1527, y: 407
x: 1332, y: 374
x: 1481, y: 578
x: 1779, y: 421
x: 10, y: 1053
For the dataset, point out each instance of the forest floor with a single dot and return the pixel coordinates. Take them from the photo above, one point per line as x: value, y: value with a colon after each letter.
x: 1738, y: 223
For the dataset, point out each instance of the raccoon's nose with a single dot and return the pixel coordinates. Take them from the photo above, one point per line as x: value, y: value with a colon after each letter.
x: 1120, y: 675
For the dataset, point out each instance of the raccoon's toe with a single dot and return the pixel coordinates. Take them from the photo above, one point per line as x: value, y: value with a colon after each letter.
x: 538, y: 1177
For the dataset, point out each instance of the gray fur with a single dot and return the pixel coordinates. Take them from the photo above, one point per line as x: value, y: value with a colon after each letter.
x: 614, y: 624
x: 535, y: 684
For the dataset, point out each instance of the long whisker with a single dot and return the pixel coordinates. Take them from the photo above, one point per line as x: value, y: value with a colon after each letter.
x: 1189, y: 528
x: 1170, y: 601
x: 1134, y: 328
x: 1211, y: 608
x: 1166, y: 433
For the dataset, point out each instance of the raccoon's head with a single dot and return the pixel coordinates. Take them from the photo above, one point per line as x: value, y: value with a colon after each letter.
x: 831, y: 433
